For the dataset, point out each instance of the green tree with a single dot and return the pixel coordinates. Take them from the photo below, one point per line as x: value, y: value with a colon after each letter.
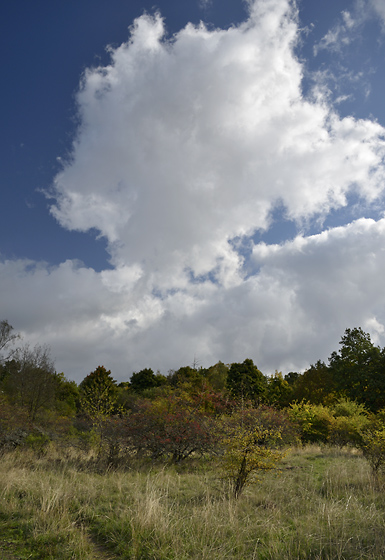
x: 316, y: 385
x: 187, y: 377
x: 67, y: 395
x: 146, y: 379
x: 99, y: 400
x: 245, y: 381
x: 358, y: 369
x: 98, y: 394
x: 216, y: 376
x: 292, y: 377
x: 279, y: 392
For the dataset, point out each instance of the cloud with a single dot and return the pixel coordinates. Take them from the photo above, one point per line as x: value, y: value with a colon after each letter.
x: 378, y: 7
x: 346, y: 30
x: 349, y: 27
x: 186, y: 144
x: 205, y: 4
x: 207, y: 128
x: 288, y: 315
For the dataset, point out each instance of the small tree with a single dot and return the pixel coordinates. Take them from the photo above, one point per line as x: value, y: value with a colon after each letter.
x: 171, y: 428
x: 31, y: 381
x: 98, y: 393
x: 249, y: 449
x: 373, y: 449
x: 98, y: 399
x: 187, y: 377
x: 372, y: 443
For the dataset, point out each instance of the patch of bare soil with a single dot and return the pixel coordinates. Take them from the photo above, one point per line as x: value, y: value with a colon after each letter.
x: 101, y: 552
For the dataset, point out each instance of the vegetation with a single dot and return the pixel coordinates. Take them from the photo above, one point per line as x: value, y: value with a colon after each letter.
x: 222, y: 462
x: 249, y: 449
x: 323, y: 504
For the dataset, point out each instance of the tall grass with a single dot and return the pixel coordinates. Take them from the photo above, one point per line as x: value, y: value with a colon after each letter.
x: 322, y: 504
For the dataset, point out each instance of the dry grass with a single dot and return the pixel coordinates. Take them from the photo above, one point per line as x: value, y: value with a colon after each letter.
x: 322, y: 505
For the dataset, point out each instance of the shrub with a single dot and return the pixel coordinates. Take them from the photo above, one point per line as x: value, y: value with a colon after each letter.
x: 373, y: 448
x: 372, y: 442
x: 171, y: 428
x: 270, y: 418
x: 313, y: 420
x: 249, y: 449
x: 350, y: 419
x: 38, y: 441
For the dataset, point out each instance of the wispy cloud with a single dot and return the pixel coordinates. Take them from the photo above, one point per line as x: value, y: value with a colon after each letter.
x: 205, y: 4
x: 346, y: 30
x: 378, y: 7
x: 349, y: 26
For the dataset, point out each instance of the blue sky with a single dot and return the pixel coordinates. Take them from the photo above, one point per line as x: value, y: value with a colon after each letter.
x: 195, y: 179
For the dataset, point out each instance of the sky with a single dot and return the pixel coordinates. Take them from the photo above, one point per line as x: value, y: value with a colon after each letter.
x: 192, y: 181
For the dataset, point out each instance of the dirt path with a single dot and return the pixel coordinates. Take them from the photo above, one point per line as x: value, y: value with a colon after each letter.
x: 8, y: 551
x: 100, y: 552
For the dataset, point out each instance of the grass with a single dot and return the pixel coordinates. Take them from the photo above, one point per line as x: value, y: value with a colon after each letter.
x: 322, y: 504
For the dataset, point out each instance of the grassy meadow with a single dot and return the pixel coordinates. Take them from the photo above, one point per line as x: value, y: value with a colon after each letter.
x: 322, y: 503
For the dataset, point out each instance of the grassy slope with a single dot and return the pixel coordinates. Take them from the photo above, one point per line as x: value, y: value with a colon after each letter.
x: 323, y: 505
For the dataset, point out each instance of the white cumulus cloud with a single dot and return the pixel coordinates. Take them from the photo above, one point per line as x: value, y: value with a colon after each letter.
x: 185, y: 144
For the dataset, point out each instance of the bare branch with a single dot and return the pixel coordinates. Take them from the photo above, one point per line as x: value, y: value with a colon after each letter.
x: 7, y: 337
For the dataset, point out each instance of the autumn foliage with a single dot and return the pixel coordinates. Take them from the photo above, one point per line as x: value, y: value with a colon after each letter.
x: 231, y: 414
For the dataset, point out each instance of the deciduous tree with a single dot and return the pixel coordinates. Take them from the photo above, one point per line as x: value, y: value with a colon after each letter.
x: 98, y: 393
x: 146, y: 379
x: 7, y: 339
x: 317, y: 385
x: 358, y: 369
x: 279, y: 392
x: 172, y: 428
x: 245, y: 381
x: 249, y: 450
x: 31, y: 380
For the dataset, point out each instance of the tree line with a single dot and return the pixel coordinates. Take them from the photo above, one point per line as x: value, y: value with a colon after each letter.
x: 232, y: 411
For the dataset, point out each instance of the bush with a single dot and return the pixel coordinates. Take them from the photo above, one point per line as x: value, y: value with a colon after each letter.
x: 171, y: 428
x: 314, y: 421
x: 249, y: 449
x: 350, y: 419
x: 372, y: 442
x: 270, y: 418
x: 373, y: 448
x: 38, y: 441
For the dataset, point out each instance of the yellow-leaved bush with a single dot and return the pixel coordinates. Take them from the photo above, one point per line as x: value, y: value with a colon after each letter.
x: 249, y: 449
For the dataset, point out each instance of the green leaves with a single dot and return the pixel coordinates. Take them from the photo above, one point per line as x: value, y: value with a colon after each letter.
x: 245, y: 381
x: 358, y: 369
x: 98, y: 393
x: 373, y: 448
